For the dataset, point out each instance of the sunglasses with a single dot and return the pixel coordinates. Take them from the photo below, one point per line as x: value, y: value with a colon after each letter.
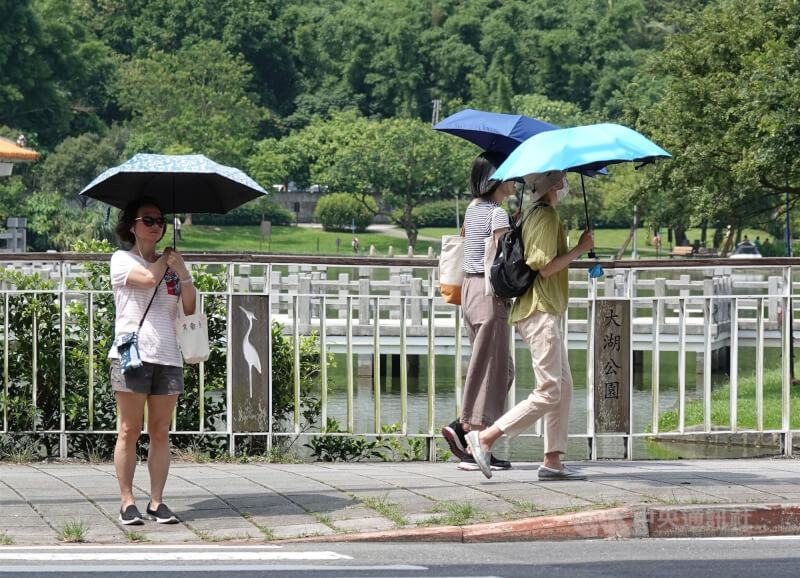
x: 150, y: 221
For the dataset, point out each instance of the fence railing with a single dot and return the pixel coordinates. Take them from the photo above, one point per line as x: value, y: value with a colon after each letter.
x: 373, y: 313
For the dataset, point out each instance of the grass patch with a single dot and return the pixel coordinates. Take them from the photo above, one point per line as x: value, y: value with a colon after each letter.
x: 6, y: 539
x: 313, y: 241
x: 674, y: 500
x: 136, y: 536
x: 268, y: 533
x: 286, y: 240
x: 385, y: 508
x: 745, y: 403
x: 73, y: 532
x: 609, y: 241
x: 454, y: 514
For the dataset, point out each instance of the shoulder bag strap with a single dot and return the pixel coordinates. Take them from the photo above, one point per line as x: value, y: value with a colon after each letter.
x: 151, y: 302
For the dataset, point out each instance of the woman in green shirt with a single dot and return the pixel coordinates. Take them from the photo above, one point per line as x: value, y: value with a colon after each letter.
x: 538, y: 315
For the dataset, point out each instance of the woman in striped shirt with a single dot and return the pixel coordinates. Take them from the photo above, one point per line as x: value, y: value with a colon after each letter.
x: 491, y: 369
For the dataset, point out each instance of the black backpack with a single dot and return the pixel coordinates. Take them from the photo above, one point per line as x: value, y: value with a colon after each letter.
x: 510, y: 275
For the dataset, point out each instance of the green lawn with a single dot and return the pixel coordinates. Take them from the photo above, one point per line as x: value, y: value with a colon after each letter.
x: 313, y: 241
x: 746, y: 406
x: 608, y: 241
x: 285, y: 240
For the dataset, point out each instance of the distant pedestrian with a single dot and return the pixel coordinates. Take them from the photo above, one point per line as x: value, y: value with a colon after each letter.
x: 177, y: 224
x: 355, y: 244
x: 757, y: 242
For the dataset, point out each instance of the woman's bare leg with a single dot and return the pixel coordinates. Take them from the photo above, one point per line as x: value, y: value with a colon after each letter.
x: 130, y: 408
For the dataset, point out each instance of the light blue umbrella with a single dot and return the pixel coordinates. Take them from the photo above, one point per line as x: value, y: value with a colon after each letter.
x: 180, y: 184
x: 579, y: 149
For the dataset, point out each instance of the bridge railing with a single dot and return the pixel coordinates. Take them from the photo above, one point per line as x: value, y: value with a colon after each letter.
x: 377, y: 312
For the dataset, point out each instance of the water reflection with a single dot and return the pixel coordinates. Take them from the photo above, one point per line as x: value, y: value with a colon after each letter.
x: 530, y: 448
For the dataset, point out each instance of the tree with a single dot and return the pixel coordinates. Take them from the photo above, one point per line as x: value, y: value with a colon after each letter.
x: 193, y: 100
x: 401, y: 161
x: 78, y: 160
x: 729, y: 112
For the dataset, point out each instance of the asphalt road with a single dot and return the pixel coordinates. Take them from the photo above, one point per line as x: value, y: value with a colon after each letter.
x: 728, y: 558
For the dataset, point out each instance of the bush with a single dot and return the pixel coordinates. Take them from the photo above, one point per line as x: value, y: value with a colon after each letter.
x: 342, y: 211
x: 247, y: 214
x: 34, y: 320
x: 439, y: 213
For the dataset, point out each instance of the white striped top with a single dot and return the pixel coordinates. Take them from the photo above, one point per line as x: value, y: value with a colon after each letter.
x: 158, y: 342
x: 480, y: 221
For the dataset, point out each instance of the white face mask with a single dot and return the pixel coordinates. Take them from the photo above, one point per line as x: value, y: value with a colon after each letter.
x: 562, y: 192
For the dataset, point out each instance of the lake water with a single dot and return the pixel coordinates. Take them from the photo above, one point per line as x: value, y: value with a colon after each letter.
x: 530, y: 448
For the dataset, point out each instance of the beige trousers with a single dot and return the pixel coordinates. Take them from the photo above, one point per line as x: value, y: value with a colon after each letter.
x: 553, y: 394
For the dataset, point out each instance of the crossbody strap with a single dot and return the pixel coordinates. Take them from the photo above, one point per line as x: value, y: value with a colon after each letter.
x: 151, y: 302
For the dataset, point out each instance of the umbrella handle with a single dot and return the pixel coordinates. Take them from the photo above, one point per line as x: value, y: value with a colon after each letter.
x: 591, y: 253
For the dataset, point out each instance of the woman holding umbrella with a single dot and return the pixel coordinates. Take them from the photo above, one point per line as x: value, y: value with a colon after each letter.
x: 491, y: 369
x: 538, y: 315
x: 148, y: 288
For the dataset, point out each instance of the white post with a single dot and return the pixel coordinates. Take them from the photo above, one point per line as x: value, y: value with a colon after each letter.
x: 634, y: 254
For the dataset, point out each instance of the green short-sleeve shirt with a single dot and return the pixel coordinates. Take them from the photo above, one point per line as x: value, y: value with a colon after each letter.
x: 544, y: 240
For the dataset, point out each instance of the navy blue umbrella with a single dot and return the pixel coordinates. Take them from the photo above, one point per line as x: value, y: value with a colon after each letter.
x: 180, y: 183
x: 497, y: 132
x: 493, y: 131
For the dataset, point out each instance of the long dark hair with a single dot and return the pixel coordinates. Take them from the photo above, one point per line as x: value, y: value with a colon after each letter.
x: 127, y: 218
x: 484, y: 165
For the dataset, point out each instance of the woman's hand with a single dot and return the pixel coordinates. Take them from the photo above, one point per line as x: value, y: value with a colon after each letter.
x: 175, y: 262
x: 586, y: 242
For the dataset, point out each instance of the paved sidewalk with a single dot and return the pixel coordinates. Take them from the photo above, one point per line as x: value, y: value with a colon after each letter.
x: 407, y: 501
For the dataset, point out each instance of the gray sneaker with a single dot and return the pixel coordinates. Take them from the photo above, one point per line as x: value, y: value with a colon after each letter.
x: 482, y: 458
x: 548, y: 474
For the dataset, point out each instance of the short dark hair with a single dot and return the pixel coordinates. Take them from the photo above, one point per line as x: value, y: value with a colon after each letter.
x: 127, y: 218
x: 484, y: 165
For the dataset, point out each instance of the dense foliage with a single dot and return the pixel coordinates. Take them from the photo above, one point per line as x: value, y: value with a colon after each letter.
x: 342, y: 212
x: 339, y: 93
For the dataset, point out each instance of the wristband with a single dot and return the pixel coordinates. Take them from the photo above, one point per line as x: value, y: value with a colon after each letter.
x: 187, y: 280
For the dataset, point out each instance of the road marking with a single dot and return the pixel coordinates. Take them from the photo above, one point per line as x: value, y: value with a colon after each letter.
x: 262, y: 569
x: 733, y: 538
x: 188, y: 556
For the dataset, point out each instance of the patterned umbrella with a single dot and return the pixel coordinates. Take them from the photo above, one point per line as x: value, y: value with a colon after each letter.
x: 180, y: 184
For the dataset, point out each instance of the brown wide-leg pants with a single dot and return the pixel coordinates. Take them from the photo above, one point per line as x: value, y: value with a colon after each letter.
x: 491, y: 369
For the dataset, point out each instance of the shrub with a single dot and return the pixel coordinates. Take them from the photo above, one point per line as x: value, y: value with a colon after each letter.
x: 247, y: 214
x: 34, y: 321
x: 342, y: 211
x: 439, y: 213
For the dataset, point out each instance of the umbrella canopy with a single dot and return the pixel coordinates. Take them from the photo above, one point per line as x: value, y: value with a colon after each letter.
x: 493, y: 131
x: 180, y: 183
x: 578, y: 149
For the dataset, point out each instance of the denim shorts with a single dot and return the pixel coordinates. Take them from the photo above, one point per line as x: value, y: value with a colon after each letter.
x: 150, y: 378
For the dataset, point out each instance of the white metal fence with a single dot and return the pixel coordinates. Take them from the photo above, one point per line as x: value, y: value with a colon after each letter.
x: 368, y: 311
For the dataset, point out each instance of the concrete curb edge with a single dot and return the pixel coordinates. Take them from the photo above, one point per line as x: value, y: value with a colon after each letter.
x: 645, y: 521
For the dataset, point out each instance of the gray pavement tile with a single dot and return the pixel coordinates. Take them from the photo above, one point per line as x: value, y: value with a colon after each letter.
x: 194, y: 515
x: 301, y: 530
x: 265, y: 500
x: 541, y: 498
x: 365, y: 524
x: 272, y: 521
x: 280, y: 510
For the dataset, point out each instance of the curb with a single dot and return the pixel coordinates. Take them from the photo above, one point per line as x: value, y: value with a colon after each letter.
x: 696, y: 521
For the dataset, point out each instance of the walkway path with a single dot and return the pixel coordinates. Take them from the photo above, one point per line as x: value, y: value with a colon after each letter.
x: 407, y: 501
